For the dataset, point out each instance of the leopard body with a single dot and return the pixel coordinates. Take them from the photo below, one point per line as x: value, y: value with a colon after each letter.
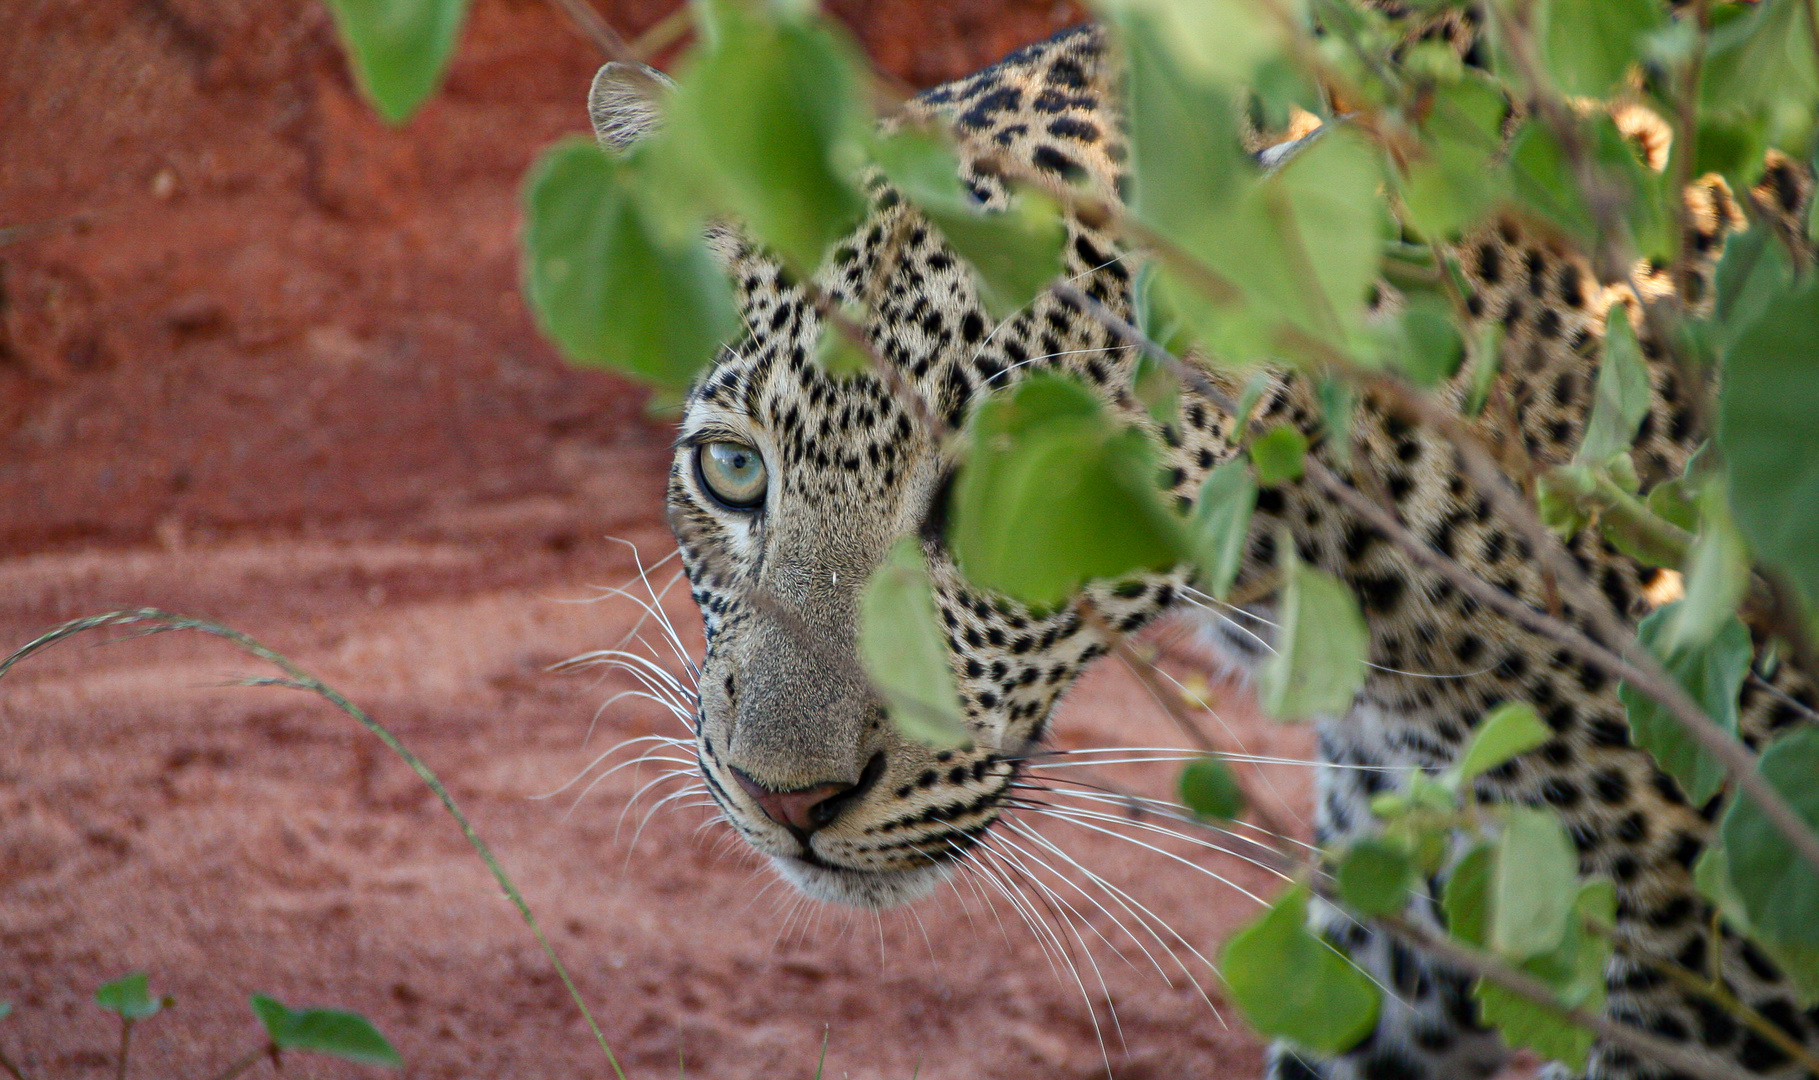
x: 852, y: 467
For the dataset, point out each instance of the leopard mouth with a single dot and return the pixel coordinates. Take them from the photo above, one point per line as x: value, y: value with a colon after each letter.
x: 871, y: 889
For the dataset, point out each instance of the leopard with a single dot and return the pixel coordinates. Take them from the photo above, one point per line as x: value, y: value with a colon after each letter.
x: 789, y: 484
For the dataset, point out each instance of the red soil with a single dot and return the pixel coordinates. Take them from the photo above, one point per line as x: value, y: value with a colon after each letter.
x: 263, y: 359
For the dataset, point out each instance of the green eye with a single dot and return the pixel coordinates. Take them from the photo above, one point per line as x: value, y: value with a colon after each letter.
x: 733, y: 473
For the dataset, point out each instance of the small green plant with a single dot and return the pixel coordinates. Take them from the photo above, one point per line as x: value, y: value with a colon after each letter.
x: 345, y: 1035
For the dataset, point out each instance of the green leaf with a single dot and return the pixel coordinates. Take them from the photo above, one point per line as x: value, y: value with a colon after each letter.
x: 1460, y: 176
x: 1800, y: 963
x: 1292, y: 985
x: 1318, y: 664
x: 1014, y: 253
x: 1717, y: 573
x: 1761, y: 60
x: 1711, y: 674
x: 1534, y: 878
x: 1589, y: 46
x: 1508, y: 730
x: 127, y: 996
x: 1428, y: 348
x: 1375, y: 877
x: 1754, y: 272
x: 398, y: 48
x: 6, y: 1009
x: 836, y: 354
x: 1467, y: 897
x: 1280, y: 455
x: 1209, y: 789
x: 604, y: 285
x: 1543, y: 182
x: 1776, y: 885
x: 1222, y: 524
x: 1766, y: 431
x: 1622, y: 396
x: 1219, y: 42
x: 904, y: 651
x: 1054, y: 493
x: 774, y: 109
x: 1575, y: 971
x: 345, y: 1035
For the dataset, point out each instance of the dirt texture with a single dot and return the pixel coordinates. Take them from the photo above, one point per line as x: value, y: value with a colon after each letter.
x: 263, y: 359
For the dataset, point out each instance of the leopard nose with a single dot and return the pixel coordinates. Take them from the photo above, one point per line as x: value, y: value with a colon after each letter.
x: 805, y: 810
x: 794, y: 810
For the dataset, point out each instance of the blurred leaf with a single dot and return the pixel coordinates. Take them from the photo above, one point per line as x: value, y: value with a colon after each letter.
x: 1222, y: 524
x: 1209, y: 789
x: 1054, y: 493
x: 1775, y: 884
x: 1717, y: 575
x: 398, y: 48
x: 1157, y: 388
x: 1574, y: 969
x: 1507, y: 731
x: 1534, y: 877
x: 1375, y: 877
x: 1543, y: 183
x: 1466, y: 898
x: 1427, y: 348
x: 1753, y: 273
x: 1280, y: 455
x: 1766, y: 406
x: 603, y: 286
x: 324, y: 1031
x: 905, y: 652
x: 774, y: 108
x: 1219, y: 42
x: 1764, y: 58
x: 1622, y: 396
x: 1589, y: 46
x: 127, y: 996
x: 1712, y: 674
x: 1294, y: 986
x: 1321, y: 647
x: 836, y: 354
x: 1014, y: 253
x: 1461, y: 174
x: 1153, y: 315
x: 1799, y: 962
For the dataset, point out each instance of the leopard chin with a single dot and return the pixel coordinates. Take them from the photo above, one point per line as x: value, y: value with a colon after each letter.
x: 875, y: 890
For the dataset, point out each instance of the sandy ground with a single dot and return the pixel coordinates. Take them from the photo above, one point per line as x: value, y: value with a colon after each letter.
x: 263, y: 359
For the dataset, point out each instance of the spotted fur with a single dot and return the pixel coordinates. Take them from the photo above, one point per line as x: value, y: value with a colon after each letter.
x: 785, y: 709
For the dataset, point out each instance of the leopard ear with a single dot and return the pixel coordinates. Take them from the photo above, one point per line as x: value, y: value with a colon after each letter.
x: 625, y: 103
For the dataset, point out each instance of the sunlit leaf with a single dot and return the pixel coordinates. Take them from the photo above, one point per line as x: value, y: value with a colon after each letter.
x: 775, y: 108
x: 1766, y: 408
x: 1209, y: 789
x: 1294, y: 986
x: 1534, y: 876
x: 1622, y: 396
x: 1717, y: 574
x: 1222, y: 524
x: 1321, y: 647
x: 905, y: 652
x: 1054, y: 493
x: 1375, y: 877
x: 1711, y: 673
x: 398, y: 48
x: 345, y: 1035
x: 1574, y: 969
x: 604, y: 285
x: 1507, y: 731
x: 1217, y: 41
x: 129, y: 997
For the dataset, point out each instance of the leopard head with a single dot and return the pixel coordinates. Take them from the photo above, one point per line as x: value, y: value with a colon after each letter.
x: 789, y: 486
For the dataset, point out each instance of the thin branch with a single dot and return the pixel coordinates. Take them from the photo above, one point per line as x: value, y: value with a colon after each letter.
x: 245, y: 1062
x: 590, y: 23
x: 1526, y: 986
x: 664, y: 33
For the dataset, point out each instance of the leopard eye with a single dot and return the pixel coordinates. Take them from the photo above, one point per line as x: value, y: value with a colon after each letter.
x: 733, y: 473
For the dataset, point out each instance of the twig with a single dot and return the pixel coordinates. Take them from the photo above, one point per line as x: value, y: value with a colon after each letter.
x: 663, y: 33
x: 164, y: 621
x: 589, y: 22
x: 242, y: 1064
x: 126, y: 1041
x: 1529, y: 988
